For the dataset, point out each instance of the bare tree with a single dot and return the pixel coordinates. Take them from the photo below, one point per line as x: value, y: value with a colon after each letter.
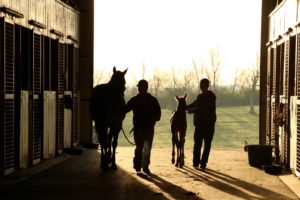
x: 215, y: 61
x: 143, y: 70
x: 98, y: 76
x: 254, y: 77
x: 196, y: 71
x: 199, y: 71
x: 251, y: 81
x: 237, y: 79
x: 188, y: 79
x: 157, y: 82
x: 174, y: 78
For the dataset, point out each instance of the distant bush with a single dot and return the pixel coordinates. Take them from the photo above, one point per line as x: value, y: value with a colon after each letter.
x: 225, y: 97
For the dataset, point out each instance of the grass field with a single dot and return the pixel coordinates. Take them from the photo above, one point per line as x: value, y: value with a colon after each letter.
x: 234, y: 126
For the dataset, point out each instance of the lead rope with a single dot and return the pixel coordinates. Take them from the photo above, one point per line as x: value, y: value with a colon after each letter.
x: 132, y: 143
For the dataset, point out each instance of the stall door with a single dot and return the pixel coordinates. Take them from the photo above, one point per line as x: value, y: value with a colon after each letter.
x: 298, y: 108
x: 7, y: 104
x: 49, y: 125
x: 288, y: 92
x: 269, y: 92
x: 36, y: 128
x: 74, y: 87
x: 284, y: 135
x: 22, y: 93
x: 58, y: 85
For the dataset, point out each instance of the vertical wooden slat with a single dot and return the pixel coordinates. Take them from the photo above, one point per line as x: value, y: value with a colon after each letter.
x: 57, y: 85
x: 75, y: 90
x: 286, y: 103
x: 1, y: 97
x: 269, y: 86
x: 60, y: 95
x: 298, y: 106
x: 36, y: 109
x: 273, y: 94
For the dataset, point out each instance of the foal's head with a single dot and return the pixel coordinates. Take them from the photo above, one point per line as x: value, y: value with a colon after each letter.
x: 181, y: 104
x: 118, y: 80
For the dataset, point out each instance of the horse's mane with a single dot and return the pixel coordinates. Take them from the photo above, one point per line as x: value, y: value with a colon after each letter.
x: 108, y: 96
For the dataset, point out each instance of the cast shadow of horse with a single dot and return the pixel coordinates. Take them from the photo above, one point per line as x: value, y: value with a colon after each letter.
x: 106, y: 108
x: 178, y: 129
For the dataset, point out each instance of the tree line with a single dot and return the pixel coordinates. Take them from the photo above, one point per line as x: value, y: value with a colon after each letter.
x: 242, y: 91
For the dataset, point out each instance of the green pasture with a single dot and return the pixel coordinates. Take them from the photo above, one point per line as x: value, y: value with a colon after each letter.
x: 234, y: 126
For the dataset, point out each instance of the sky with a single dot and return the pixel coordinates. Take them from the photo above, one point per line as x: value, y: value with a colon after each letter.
x: 166, y: 34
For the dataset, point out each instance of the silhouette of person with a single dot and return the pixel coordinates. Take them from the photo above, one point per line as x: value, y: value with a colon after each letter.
x: 146, y: 112
x: 204, y: 109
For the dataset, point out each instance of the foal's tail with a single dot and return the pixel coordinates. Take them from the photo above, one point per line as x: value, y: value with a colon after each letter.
x: 172, y: 116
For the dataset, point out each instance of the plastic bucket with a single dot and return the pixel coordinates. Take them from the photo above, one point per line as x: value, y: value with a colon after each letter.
x: 259, y: 155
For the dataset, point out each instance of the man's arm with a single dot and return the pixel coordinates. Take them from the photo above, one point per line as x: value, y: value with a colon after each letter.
x: 158, y: 110
x: 191, y: 108
x: 129, y: 106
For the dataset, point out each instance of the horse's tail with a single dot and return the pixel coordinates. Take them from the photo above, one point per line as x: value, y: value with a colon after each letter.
x: 92, y: 108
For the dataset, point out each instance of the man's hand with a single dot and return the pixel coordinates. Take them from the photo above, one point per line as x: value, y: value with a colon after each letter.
x: 190, y: 111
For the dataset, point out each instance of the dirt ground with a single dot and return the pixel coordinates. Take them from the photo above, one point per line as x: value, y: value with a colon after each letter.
x: 228, y: 176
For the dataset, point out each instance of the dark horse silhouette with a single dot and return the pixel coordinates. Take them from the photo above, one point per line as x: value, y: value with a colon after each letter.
x: 178, y: 129
x: 106, y: 108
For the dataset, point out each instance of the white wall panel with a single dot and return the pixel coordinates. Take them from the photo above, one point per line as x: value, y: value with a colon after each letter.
x: 68, y: 125
x: 293, y: 136
x: 49, y: 124
x: 24, y: 130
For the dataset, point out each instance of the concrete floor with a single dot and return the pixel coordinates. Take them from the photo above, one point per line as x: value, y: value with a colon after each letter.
x: 228, y: 176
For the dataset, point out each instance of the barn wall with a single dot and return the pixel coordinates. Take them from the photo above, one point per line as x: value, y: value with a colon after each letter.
x: 282, y: 86
x: 39, y: 81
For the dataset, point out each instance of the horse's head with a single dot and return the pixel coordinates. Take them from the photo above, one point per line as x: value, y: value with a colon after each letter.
x: 181, y: 103
x: 118, y: 80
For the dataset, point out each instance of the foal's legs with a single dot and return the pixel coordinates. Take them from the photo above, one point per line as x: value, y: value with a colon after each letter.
x: 183, y: 133
x: 173, y: 146
x: 178, y: 143
x: 180, y: 158
x: 183, y: 141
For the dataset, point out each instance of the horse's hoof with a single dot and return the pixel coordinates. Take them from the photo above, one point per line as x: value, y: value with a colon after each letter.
x: 114, y: 167
x: 173, y: 161
x: 176, y: 165
x: 104, y: 168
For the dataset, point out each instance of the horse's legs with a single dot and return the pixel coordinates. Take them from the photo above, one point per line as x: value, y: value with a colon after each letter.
x: 183, y: 141
x: 173, y: 146
x: 102, y: 137
x: 109, y: 141
x: 113, y: 136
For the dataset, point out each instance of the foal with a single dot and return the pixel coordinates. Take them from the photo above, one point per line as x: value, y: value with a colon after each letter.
x: 178, y: 129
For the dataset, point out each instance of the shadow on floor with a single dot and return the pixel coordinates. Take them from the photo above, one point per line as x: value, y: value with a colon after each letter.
x: 232, y: 185
x: 81, y: 178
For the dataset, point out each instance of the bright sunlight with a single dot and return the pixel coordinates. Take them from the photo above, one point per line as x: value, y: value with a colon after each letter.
x: 159, y: 35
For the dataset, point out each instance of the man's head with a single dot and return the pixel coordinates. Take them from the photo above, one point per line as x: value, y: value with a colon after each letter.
x: 142, y: 86
x: 204, y: 84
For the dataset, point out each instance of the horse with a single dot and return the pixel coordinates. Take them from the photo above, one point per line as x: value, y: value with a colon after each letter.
x: 107, y: 110
x: 178, y: 129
